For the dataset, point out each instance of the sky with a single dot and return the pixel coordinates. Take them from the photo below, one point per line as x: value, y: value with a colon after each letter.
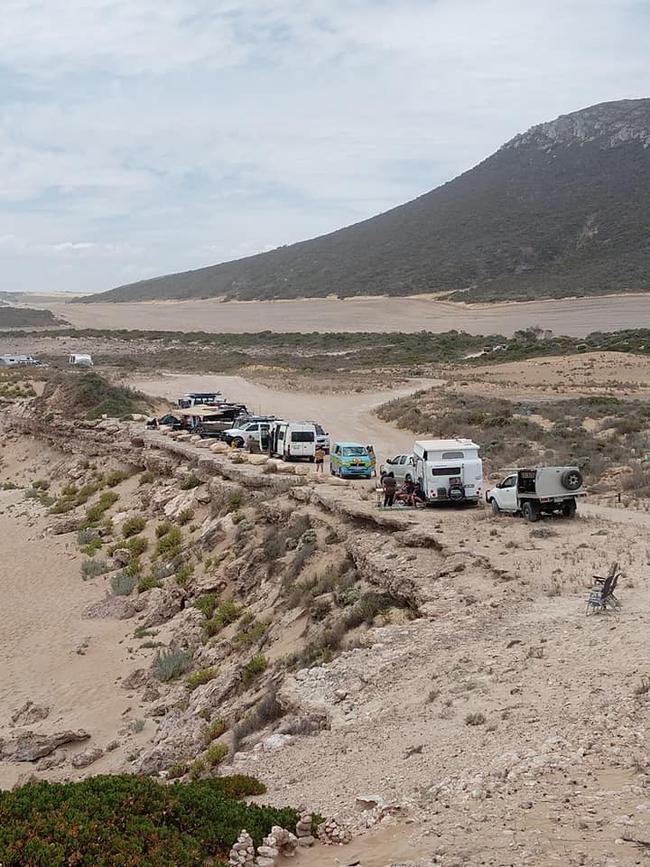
x: 140, y: 137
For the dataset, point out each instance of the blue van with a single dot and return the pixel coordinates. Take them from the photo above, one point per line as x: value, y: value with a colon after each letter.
x: 351, y: 460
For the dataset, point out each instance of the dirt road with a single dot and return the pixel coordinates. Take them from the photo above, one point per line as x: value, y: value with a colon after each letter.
x: 345, y: 416
x: 572, y: 316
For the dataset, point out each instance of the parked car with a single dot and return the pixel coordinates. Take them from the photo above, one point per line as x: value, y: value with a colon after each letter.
x: 200, y: 398
x: 535, y: 491
x: 322, y: 437
x: 239, y: 436
x: 292, y: 439
x: 351, y: 460
x: 81, y: 359
x: 401, y: 466
x: 448, y: 470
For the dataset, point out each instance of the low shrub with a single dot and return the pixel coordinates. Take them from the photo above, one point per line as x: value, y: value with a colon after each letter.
x: 225, y: 613
x: 146, y: 478
x: 253, y: 668
x: 163, y: 528
x: 134, y: 525
x: 474, y: 719
x: 171, y: 664
x: 148, y: 582
x: 92, y: 547
x: 216, y: 728
x: 124, y: 819
x: 190, y: 481
x: 41, y: 485
x: 207, y: 604
x: 170, y: 543
x: 84, y: 537
x: 106, y: 500
x: 123, y: 584
x: 251, y: 632
x: 183, y: 575
x: 93, y: 568
x: 198, y: 678
x: 266, y: 711
x: 234, y: 501
x: 114, y: 478
x: 215, y: 754
x: 137, y: 545
x: 185, y: 516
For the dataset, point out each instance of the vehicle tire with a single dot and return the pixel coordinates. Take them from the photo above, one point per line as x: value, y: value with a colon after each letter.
x: 456, y: 494
x: 332, y: 473
x: 238, y: 442
x: 530, y: 511
x: 496, y: 511
x: 569, y: 508
x: 571, y: 480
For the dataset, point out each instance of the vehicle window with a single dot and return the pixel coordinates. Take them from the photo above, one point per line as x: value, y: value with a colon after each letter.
x: 445, y: 471
x: 355, y: 451
x: 302, y: 436
x: 320, y: 430
x: 453, y: 456
x: 402, y: 459
x: 281, y: 434
x: 264, y: 427
x: 510, y: 482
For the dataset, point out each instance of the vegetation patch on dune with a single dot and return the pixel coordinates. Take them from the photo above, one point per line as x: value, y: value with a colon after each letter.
x: 110, y: 820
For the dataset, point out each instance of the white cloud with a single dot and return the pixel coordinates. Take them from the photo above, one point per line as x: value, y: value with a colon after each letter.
x: 139, y: 137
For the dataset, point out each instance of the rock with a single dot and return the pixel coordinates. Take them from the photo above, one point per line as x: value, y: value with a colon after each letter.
x: 203, y: 496
x: 82, y: 760
x: 304, y: 842
x: 53, y: 761
x: 29, y: 714
x: 369, y: 802
x: 66, y: 525
x: 162, y: 605
x: 29, y: 746
x: 135, y: 680
x: 122, y: 557
x: 117, y: 607
x: 113, y: 745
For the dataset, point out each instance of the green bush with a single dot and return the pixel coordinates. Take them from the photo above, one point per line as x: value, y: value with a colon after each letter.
x: 213, y: 731
x: 106, y: 500
x: 171, y: 664
x: 225, y: 613
x: 123, y: 584
x: 170, y: 543
x: 253, y: 668
x: 93, y: 568
x: 114, y: 478
x: 215, y: 754
x: 251, y: 632
x: 198, y: 678
x: 146, y: 478
x: 92, y: 547
x: 133, y: 526
x: 234, y: 501
x: 163, y: 528
x: 183, y: 575
x: 190, y: 481
x: 148, y: 582
x: 185, y: 516
x: 207, y: 604
x: 137, y: 545
x: 130, y: 820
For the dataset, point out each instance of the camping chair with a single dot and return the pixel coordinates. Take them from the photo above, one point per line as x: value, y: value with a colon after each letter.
x: 601, y: 595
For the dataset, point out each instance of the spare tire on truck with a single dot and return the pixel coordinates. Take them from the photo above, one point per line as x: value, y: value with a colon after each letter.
x: 571, y: 480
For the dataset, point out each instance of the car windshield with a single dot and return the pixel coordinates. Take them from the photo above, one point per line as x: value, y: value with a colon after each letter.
x: 355, y: 451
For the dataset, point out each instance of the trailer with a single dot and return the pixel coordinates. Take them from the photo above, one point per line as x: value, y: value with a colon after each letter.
x: 448, y: 470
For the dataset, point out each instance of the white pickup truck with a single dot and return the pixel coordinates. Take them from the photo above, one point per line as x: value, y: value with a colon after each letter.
x: 532, y: 492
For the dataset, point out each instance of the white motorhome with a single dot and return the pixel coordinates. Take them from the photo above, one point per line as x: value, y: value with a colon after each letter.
x: 449, y: 470
x: 292, y: 439
x: 81, y: 359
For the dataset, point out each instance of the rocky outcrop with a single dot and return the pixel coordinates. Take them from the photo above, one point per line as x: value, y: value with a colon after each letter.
x: 29, y: 714
x: 28, y: 746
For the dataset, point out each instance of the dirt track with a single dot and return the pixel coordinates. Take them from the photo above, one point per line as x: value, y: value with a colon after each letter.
x: 575, y: 316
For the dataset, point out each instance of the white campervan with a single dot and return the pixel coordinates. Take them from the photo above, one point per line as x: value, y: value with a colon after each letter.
x: 292, y: 439
x: 81, y: 358
x: 449, y: 470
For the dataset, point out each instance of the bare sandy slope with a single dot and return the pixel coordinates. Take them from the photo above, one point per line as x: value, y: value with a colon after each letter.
x: 346, y: 416
x: 42, y: 625
x: 575, y: 316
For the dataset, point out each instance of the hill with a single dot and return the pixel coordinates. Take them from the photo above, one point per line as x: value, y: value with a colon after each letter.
x: 563, y: 209
x: 27, y: 317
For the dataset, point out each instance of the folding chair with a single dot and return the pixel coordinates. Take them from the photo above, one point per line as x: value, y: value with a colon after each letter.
x: 601, y: 595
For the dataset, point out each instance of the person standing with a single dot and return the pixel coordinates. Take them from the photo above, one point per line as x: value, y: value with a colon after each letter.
x: 390, y: 486
x: 319, y: 457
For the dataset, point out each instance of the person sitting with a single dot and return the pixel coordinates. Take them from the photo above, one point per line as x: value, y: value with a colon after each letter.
x: 409, y: 493
x: 390, y: 487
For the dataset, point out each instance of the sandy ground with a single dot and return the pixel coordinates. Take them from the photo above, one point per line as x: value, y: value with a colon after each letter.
x: 346, y: 417
x: 575, y: 316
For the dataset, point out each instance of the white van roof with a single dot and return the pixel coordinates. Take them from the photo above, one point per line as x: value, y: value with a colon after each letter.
x: 444, y: 445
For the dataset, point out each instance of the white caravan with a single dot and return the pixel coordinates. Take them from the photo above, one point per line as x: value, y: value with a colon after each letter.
x: 292, y: 439
x: 449, y: 470
x: 81, y: 358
